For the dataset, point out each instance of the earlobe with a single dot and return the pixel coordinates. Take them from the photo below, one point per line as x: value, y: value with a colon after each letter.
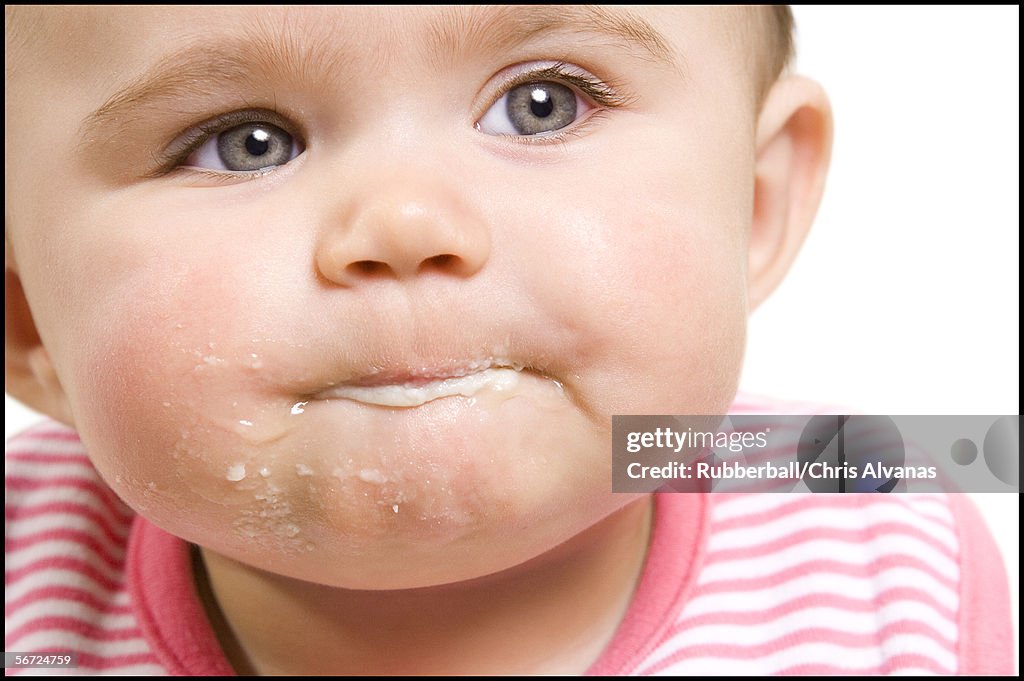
x: 794, y: 145
x: 29, y: 374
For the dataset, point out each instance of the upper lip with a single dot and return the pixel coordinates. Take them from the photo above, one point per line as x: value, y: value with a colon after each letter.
x: 416, y: 342
x: 421, y: 375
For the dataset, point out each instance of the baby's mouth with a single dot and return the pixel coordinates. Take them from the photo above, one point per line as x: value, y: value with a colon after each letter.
x: 412, y: 388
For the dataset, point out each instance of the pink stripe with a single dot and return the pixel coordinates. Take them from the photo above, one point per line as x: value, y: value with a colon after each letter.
x: 21, y: 483
x: 62, y: 435
x: 893, y: 664
x: 91, y: 661
x: 66, y: 593
x: 115, y: 533
x: 796, y: 638
x: 815, y: 600
x: 788, y: 448
x: 82, y: 567
x: 931, y: 508
x: 794, y: 573
x: 115, y: 529
x: 754, y: 405
x: 856, y: 536
x: 73, y: 625
x: 107, y: 663
x: 61, y: 534
x: 31, y: 456
x: 816, y: 502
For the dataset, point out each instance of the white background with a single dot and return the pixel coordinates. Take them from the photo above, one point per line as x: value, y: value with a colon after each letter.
x: 905, y: 299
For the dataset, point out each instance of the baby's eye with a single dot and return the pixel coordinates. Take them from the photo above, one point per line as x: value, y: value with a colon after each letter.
x: 533, y: 108
x: 247, y: 147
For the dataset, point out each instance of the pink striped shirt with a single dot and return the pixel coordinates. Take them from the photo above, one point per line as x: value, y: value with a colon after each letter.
x: 733, y: 583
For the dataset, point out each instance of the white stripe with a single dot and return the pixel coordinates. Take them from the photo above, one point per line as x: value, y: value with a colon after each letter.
x: 56, y: 577
x: 60, y: 549
x: 59, y: 671
x: 63, y: 607
x: 26, y: 500
x: 836, y: 619
x: 35, y: 445
x: 98, y: 497
x: 940, y: 498
x: 822, y: 583
x: 50, y: 548
x: 845, y: 552
x: 134, y: 670
x: 727, y: 507
x: 126, y: 670
x: 930, y: 505
x: 933, y: 506
x: 55, y: 639
x: 756, y: 406
x: 844, y: 657
x: 54, y: 493
x: 65, y: 520
x: 750, y: 407
x: 912, y: 671
x: 864, y: 518
x: 44, y: 426
x: 919, y: 644
x: 44, y: 470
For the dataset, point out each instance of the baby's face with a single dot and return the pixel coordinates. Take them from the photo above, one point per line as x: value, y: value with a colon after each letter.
x: 352, y: 294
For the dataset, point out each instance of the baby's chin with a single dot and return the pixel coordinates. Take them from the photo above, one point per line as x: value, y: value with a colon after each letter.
x: 350, y: 493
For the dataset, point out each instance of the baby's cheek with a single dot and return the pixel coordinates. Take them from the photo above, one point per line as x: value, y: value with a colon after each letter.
x: 158, y: 392
x: 669, y: 330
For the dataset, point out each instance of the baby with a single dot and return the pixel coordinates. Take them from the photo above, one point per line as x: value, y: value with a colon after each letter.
x: 340, y: 302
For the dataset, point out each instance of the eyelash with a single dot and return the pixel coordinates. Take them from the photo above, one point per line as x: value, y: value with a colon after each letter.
x: 605, y: 94
x: 186, y: 143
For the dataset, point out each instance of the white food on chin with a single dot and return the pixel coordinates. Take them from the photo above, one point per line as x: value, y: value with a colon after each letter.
x: 412, y: 395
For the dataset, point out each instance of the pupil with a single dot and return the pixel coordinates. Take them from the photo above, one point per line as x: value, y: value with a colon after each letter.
x: 258, y: 143
x: 541, y: 105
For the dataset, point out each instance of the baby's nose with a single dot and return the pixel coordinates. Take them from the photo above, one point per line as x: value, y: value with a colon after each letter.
x: 401, y: 230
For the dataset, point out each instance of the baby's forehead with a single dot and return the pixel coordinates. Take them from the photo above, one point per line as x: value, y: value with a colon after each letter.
x: 74, y: 38
x: 69, y: 41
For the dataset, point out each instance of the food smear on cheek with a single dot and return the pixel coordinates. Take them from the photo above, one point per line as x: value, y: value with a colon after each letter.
x: 197, y: 445
x: 179, y: 421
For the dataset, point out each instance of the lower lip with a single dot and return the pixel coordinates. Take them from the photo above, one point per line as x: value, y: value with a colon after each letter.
x: 414, y: 395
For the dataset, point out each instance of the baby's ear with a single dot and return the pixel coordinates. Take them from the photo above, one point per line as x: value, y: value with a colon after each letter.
x: 794, y: 144
x: 29, y: 375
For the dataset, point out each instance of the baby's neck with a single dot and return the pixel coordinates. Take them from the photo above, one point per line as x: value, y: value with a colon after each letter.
x: 554, y: 614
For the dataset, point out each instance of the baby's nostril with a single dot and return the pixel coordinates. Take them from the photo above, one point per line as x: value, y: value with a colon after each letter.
x: 439, y: 261
x: 370, y: 267
x: 378, y: 269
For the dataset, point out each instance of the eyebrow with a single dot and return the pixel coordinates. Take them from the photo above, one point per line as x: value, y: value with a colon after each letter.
x: 470, y: 30
x: 203, y: 69
x: 268, y: 48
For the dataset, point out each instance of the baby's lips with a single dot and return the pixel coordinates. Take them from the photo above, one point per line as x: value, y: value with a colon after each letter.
x: 404, y: 389
x: 424, y: 347
x: 413, y: 375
